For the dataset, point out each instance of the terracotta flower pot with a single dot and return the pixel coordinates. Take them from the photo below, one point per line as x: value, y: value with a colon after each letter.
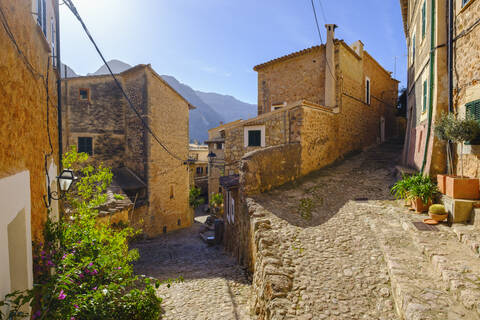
x: 442, y: 182
x: 438, y: 217
x: 462, y: 188
x: 407, y: 203
x: 419, y: 206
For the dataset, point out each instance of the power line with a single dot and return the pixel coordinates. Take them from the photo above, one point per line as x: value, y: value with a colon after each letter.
x: 73, y: 9
x: 319, y: 33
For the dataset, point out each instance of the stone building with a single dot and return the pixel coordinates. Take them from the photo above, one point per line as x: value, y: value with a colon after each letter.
x: 198, y: 159
x: 98, y: 120
x: 426, y: 28
x: 314, y: 107
x: 29, y: 152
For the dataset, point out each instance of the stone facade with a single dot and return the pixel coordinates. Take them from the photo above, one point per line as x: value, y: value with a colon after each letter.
x: 198, y: 159
x: 427, y: 66
x: 28, y: 125
x: 95, y: 108
x: 467, y: 75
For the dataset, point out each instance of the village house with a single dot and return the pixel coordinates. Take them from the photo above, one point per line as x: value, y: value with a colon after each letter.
x: 29, y: 153
x: 438, y: 83
x: 314, y: 107
x: 99, y: 121
x: 198, y: 159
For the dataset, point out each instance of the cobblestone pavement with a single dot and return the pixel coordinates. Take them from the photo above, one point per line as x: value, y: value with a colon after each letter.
x: 214, y: 286
x: 338, y: 267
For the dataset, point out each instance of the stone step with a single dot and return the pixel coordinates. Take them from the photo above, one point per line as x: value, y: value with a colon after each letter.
x: 468, y: 235
x: 417, y: 292
x: 453, y: 263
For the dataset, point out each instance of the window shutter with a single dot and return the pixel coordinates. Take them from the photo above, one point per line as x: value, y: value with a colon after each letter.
x: 44, y: 17
x: 473, y: 108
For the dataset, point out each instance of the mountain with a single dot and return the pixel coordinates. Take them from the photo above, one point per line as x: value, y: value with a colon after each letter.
x: 228, y: 107
x: 117, y: 66
x: 204, y: 117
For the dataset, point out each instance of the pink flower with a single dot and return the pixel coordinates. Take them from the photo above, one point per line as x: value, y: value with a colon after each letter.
x: 94, y: 288
x: 119, y: 268
x: 37, y: 314
x: 62, y: 295
x: 76, y: 306
x: 90, y: 264
x: 94, y: 271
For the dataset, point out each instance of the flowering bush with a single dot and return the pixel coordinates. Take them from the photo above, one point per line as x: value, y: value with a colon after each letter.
x: 84, y: 269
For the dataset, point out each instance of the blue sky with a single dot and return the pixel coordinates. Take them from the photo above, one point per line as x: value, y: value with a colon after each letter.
x: 213, y: 45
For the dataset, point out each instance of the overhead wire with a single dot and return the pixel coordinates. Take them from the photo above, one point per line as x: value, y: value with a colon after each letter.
x: 74, y: 11
x: 319, y: 33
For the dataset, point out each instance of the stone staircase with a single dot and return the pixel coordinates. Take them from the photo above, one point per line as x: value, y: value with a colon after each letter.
x: 434, y: 274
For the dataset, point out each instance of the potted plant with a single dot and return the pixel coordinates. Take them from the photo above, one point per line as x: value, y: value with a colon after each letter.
x: 460, y: 131
x: 441, y: 127
x: 437, y: 212
x: 400, y: 189
x: 421, y: 192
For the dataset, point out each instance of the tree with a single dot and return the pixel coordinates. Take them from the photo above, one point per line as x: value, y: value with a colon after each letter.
x: 194, y: 198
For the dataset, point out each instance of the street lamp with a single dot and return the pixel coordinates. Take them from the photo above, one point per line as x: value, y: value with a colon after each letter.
x: 211, y: 157
x: 65, y: 181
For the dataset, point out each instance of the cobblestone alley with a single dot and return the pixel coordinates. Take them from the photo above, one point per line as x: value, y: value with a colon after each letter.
x: 328, y: 231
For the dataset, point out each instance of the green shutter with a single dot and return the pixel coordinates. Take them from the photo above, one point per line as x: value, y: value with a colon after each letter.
x: 424, y: 19
x: 473, y: 108
x: 425, y: 91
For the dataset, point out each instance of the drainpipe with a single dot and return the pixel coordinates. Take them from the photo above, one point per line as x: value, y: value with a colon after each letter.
x: 432, y: 84
x: 59, y: 85
x: 330, y: 80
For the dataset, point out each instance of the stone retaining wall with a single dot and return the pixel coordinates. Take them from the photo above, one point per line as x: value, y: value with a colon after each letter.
x: 272, y: 278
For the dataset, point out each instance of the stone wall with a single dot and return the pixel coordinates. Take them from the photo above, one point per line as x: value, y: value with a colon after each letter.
x: 260, y: 173
x: 23, y: 111
x: 168, y: 180
x: 467, y: 77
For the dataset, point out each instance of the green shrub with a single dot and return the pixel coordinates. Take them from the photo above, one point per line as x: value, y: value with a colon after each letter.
x: 194, y: 198
x: 415, y: 186
x: 83, y: 269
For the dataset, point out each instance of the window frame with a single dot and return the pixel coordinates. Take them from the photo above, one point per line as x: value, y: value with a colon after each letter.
x: 476, y: 115
x: 246, y: 131
x: 91, y: 153
x: 424, y: 95
x: 465, y: 2
x: 42, y: 16
x: 80, y: 94
x: 219, y: 144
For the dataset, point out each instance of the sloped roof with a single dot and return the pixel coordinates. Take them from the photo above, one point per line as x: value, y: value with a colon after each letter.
x: 288, y: 56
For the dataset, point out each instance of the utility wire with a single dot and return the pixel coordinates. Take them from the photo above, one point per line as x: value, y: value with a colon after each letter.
x: 320, y: 34
x: 73, y: 9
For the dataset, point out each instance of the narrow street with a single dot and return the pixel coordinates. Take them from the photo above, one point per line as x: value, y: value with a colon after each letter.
x: 214, y: 286
x: 350, y: 253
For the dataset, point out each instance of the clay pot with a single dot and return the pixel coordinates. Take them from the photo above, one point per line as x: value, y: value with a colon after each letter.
x: 442, y: 182
x: 438, y: 217
x: 419, y: 206
x: 462, y: 188
x: 407, y: 203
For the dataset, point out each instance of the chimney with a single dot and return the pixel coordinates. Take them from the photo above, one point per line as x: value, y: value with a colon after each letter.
x: 358, y: 48
x: 330, y: 75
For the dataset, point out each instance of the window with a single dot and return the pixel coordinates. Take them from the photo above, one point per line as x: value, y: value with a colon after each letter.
x: 464, y: 2
x: 42, y: 15
x: 199, y: 170
x: 219, y: 146
x: 85, y: 145
x: 179, y: 222
x: 220, y: 190
x: 367, y: 90
x: 425, y: 94
x: 84, y: 94
x: 172, y: 195
x: 254, y: 138
x: 424, y: 19
x: 206, y: 170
